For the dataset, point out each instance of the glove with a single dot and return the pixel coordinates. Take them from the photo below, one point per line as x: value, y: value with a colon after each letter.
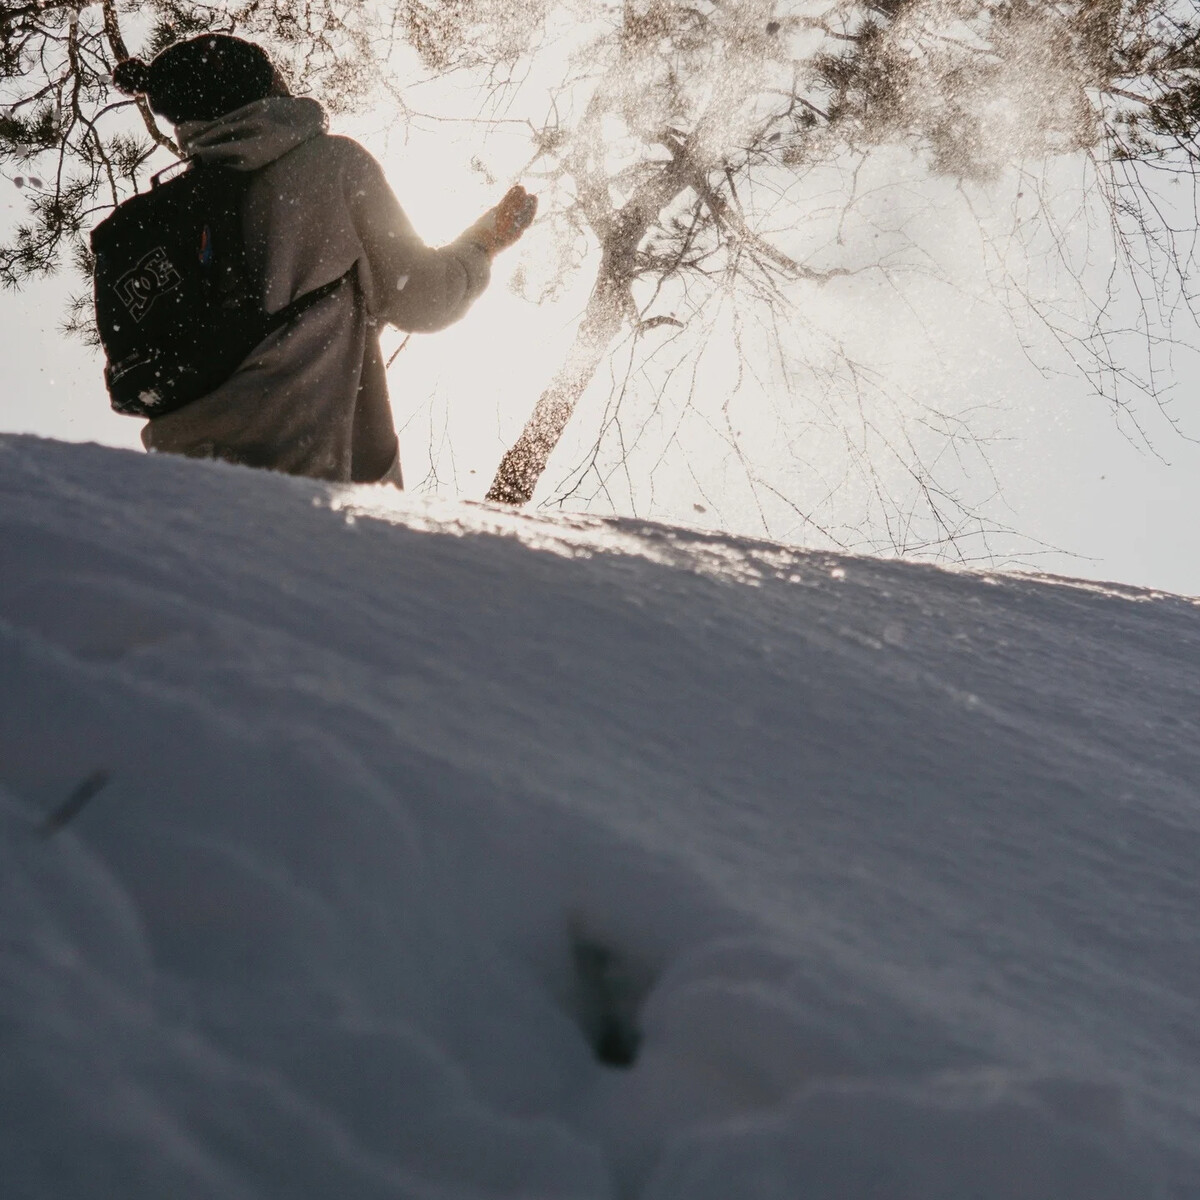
x: 501, y: 226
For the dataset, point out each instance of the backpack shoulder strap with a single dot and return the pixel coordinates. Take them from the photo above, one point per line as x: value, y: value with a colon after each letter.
x: 305, y: 302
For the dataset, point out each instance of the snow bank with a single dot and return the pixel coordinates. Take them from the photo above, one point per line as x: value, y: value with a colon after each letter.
x: 354, y: 845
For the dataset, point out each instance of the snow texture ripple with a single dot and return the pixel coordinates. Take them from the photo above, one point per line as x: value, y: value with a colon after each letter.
x: 357, y: 845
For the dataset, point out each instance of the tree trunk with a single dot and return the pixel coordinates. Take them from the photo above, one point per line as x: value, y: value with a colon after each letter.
x: 620, y: 235
x: 522, y: 467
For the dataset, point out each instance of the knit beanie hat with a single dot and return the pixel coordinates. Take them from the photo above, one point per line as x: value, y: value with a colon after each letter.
x: 201, y: 79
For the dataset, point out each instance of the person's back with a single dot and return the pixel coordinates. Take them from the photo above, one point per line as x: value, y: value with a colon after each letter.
x: 311, y: 399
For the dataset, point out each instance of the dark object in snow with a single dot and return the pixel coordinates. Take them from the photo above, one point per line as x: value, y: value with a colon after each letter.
x: 177, y: 307
x: 610, y: 990
x: 202, y: 78
x: 73, y: 805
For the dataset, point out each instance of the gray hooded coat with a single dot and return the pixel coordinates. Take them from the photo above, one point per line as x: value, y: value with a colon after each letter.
x: 312, y: 398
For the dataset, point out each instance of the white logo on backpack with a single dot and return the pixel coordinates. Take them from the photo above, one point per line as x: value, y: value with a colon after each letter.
x: 153, y: 276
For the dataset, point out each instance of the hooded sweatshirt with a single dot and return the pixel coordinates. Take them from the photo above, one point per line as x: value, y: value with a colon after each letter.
x: 312, y: 398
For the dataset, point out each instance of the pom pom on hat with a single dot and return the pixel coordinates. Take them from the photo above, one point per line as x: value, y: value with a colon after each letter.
x: 132, y: 77
x: 202, y: 78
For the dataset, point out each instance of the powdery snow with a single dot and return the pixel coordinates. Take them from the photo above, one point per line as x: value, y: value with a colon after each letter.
x: 867, y: 879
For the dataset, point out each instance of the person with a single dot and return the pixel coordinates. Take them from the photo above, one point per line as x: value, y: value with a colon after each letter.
x: 312, y: 398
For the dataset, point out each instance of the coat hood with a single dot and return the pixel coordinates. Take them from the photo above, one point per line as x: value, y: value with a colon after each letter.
x: 248, y: 138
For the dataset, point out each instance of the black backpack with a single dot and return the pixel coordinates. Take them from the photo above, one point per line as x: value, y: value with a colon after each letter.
x: 177, y: 308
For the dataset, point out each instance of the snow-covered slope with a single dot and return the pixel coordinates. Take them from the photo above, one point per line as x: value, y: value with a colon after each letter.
x: 448, y: 853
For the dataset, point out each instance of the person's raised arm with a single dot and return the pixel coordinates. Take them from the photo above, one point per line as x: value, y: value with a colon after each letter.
x: 410, y: 284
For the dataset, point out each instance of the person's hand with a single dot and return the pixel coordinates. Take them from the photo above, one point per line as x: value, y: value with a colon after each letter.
x: 501, y: 226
